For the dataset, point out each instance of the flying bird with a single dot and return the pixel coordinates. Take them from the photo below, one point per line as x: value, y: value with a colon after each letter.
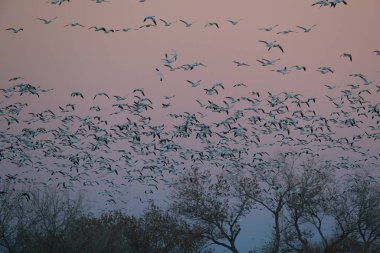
x: 330, y: 87
x: 286, y: 31
x: 268, y: 29
x: 272, y: 44
x: 194, y: 83
x: 160, y: 74
x: 102, y: 29
x: 212, y: 24
x: 119, y: 98
x: 15, y: 78
x: 347, y: 55
x: 127, y: 29
x: 234, y: 22
x: 240, y: 85
x: 325, y: 70
x: 266, y: 62
x: 146, y: 26
x: 77, y: 94
x: 283, y: 71
x: 166, y: 23
x: 335, y: 2
x: 306, y: 29
x: 321, y: 3
x: 47, y: 21
x: 59, y: 2
x: 74, y: 24
x: 152, y: 18
x: 240, y: 64
x: 141, y: 90
x: 299, y: 67
x: 101, y: 94
x: 15, y: 30
x: 187, y: 23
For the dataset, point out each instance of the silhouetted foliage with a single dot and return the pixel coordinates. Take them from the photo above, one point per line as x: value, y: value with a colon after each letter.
x: 48, y: 221
x: 314, y: 210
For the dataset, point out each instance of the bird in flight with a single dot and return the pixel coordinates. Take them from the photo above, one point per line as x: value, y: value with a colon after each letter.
x: 234, y: 22
x: 347, y: 55
x: 335, y: 2
x: 15, y: 78
x: 299, y: 67
x: 127, y: 29
x: 187, y: 23
x: 268, y: 29
x: 160, y: 74
x: 321, y: 3
x: 283, y: 71
x: 152, y: 18
x: 102, y: 29
x: 240, y: 64
x: 306, y: 29
x: 15, y: 30
x: 119, y: 98
x: 101, y: 94
x: 212, y: 24
x: 240, y: 85
x: 47, y: 21
x: 194, y: 83
x: 266, y: 62
x: 77, y: 94
x: 59, y: 2
x: 330, y: 87
x: 286, y: 31
x: 272, y: 44
x: 74, y: 24
x: 166, y: 23
x: 100, y: 1
x: 141, y: 90
x: 325, y: 70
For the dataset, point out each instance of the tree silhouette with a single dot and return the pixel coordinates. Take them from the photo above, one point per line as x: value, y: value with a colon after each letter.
x: 215, y: 207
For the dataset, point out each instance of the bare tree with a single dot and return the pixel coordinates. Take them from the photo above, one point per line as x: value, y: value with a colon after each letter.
x: 16, y: 218
x: 35, y: 221
x: 303, y: 218
x: 215, y: 207
x: 353, y: 206
x: 55, y: 212
x: 364, y: 197
x: 290, y: 188
x: 269, y: 187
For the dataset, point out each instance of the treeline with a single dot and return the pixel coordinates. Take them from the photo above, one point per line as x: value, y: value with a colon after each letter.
x: 52, y: 222
x: 314, y: 209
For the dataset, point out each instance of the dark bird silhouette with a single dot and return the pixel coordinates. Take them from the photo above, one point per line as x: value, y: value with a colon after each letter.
x: 47, y: 21
x: 306, y: 29
x: 15, y: 30
x: 212, y: 24
x: 272, y: 44
x: 187, y: 23
x: 234, y: 22
x: 347, y: 55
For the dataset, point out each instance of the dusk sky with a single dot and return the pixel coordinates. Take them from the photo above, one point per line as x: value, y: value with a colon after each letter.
x: 64, y: 61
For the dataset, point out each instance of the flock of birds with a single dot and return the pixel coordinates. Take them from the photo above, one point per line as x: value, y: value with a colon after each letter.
x: 114, y: 140
x: 321, y: 3
x: 153, y: 21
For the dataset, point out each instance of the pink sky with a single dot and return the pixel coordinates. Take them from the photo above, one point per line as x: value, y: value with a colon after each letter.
x: 69, y: 59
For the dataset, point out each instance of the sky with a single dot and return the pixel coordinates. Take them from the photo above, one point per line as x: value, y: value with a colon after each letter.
x: 63, y: 59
